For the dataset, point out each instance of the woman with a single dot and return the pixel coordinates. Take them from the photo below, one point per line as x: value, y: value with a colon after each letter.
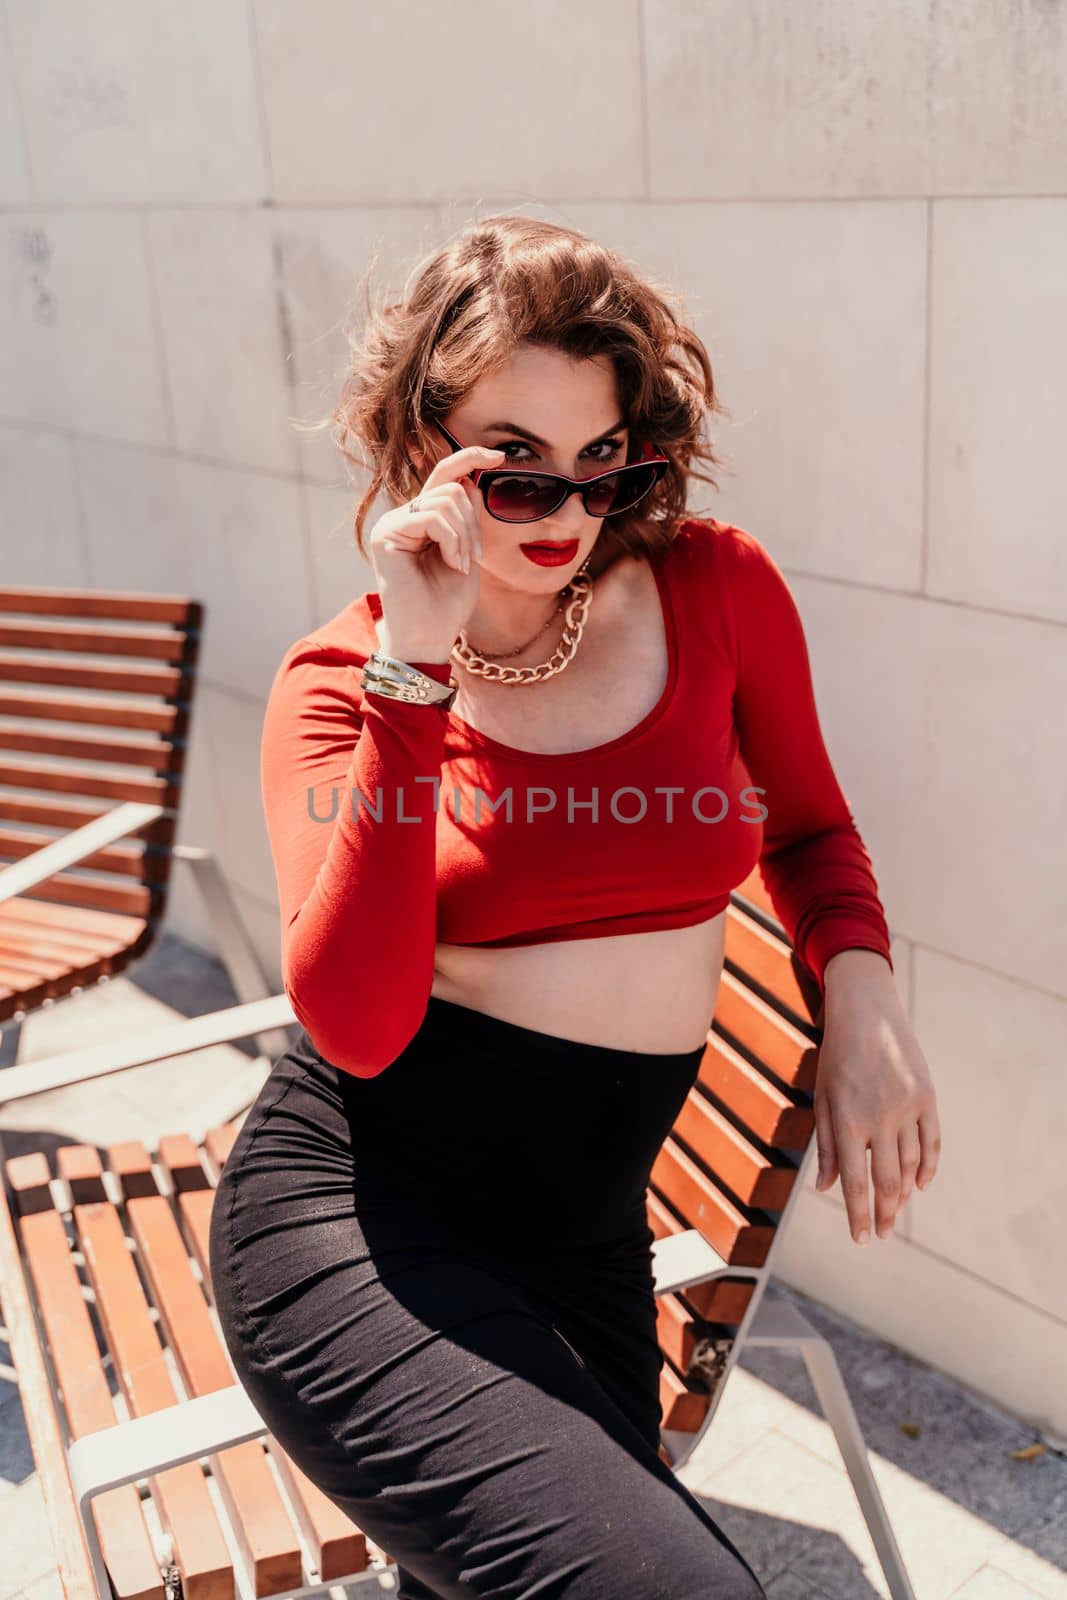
x: 508, y: 793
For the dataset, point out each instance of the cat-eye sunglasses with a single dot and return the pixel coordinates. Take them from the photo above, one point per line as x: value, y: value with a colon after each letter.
x: 518, y: 494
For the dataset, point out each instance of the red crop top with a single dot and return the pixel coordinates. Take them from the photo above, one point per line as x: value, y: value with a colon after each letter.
x: 394, y: 826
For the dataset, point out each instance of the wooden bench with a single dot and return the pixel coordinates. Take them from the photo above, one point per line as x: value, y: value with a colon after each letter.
x: 96, y: 696
x: 158, y: 1474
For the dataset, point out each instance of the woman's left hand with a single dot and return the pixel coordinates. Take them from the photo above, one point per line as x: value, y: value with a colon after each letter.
x: 873, y: 1090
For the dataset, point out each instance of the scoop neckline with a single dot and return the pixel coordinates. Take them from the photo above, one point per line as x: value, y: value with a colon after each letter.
x: 484, y: 741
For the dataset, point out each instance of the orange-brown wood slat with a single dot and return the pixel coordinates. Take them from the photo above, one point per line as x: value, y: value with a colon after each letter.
x: 171, y: 682
x: 125, y: 1538
x: 94, y: 709
x: 79, y: 1167
x: 261, y: 1524
x: 76, y: 780
x: 180, y: 1493
x: 112, y: 931
x: 764, y: 958
x: 131, y: 860
x: 25, y: 939
x: 337, y: 1546
x: 179, y: 1156
x: 154, y: 644
x: 744, y: 1169
x: 760, y: 1104
x: 74, y: 889
x: 684, y: 1402
x: 741, y: 1240
x: 161, y: 755
x: 67, y: 815
x: 677, y: 1330
x: 69, y: 1549
x: 27, y: 992
x: 35, y: 965
x: 721, y: 1299
x: 765, y: 1035
x: 55, y: 600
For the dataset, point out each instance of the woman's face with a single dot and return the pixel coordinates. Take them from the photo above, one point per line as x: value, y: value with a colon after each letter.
x: 551, y: 413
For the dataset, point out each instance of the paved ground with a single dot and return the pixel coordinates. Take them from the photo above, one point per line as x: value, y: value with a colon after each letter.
x: 973, y: 1523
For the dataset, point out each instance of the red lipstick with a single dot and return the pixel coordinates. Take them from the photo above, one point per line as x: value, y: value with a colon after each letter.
x: 550, y: 552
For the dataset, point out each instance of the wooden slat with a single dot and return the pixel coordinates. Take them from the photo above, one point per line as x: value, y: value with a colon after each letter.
x: 172, y: 682
x: 74, y: 889
x: 261, y: 1524
x: 17, y: 987
x: 160, y: 755
x: 336, y: 1544
x: 133, y: 860
x: 766, y: 1035
x: 125, y: 1538
x: 767, y: 1110
x: 73, y: 814
x: 741, y: 1239
x: 73, y: 954
x: 76, y: 780
x: 108, y: 931
x: 764, y: 958
x: 338, y: 1547
x: 184, y: 1505
x: 95, y: 709
x: 48, y: 600
x: 35, y: 965
x: 23, y: 983
x: 720, y: 1300
x: 677, y: 1329
x: 752, y: 1176
x: 684, y: 1402
x: 152, y: 644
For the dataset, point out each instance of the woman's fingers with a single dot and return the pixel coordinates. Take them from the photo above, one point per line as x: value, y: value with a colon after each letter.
x: 885, y: 1175
x: 448, y: 518
x: 451, y: 468
x: 908, y: 1147
x: 930, y: 1144
x: 451, y: 475
x: 827, y: 1145
x: 852, y: 1160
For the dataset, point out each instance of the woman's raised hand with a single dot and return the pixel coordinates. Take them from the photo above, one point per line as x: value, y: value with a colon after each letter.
x: 426, y: 559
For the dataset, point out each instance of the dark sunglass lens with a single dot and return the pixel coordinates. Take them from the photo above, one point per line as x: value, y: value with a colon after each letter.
x: 521, y: 499
x: 621, y: 491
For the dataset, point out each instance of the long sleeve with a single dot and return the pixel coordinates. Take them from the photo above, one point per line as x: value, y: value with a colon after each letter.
x: 814, y: 863
x: 356, y: 885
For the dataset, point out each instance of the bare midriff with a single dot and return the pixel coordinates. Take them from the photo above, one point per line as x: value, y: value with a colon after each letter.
x: 635, y: 991
x: 652, y: 991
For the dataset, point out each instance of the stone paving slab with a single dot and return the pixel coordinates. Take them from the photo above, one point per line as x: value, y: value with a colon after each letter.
x: 973, y: 1523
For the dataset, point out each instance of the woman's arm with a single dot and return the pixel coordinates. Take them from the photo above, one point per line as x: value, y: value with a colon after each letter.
x: 873, y: 1087
x: 356, y: 886
x: 814, y: 862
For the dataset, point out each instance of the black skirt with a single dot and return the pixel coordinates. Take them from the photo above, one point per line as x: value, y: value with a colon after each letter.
x: 436, y: 1286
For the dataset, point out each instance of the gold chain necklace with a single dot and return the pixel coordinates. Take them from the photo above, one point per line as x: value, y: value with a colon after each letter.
x: 577, y: 611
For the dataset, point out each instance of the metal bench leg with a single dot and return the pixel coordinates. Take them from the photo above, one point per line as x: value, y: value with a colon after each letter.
x: 780, y: 1323
x: 238, y: 952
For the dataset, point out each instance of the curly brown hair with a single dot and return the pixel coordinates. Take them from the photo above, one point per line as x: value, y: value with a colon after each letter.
x: 509, y: 279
